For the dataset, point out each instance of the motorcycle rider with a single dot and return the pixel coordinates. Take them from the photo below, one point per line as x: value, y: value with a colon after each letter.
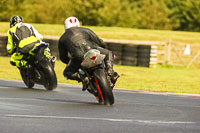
x: 74, y: 43
x: 22, y: 39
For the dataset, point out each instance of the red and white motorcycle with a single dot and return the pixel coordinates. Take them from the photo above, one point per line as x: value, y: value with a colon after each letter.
x: 100, y: 84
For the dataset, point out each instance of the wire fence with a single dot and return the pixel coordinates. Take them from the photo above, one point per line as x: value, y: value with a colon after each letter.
x: 181, y: 54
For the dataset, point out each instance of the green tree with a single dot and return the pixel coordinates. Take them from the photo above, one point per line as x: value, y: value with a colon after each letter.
x: 148, y: 14
x: 153, y: 15
x: 185, y: 14
x: 86, y: 10
x: 9, y: 8
x: 44, y: 11
x: 191, y: 16
x: 117, y: 13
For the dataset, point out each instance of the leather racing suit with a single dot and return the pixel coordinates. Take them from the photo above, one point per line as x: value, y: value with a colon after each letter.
x: 22, y: 38
x: 74, y: 43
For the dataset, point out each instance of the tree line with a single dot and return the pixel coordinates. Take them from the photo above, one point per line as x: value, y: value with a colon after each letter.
x: 181, y: 15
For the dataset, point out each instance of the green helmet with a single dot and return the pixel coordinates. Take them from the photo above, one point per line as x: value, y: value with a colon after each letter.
x: 15, y: 19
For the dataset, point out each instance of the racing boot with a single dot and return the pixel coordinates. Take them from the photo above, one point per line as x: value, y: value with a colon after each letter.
x: 114, y: 78
x: 51, y: 58
x: 109, y: 67
x: 114, y: 75
x: 47, y: 53
x: 85, y: 83
x: 78, y: 77
x: 84, y: 79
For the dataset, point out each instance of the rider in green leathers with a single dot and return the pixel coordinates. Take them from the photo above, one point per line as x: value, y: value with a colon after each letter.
x: 22, y: 39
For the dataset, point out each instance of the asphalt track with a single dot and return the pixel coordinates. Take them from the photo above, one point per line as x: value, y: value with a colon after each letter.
x: 69, y: 110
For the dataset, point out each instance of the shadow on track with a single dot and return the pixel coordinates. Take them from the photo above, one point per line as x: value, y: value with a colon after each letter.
x: 69, y: 101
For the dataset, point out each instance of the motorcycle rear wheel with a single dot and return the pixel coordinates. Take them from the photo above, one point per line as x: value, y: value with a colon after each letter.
x: 103, y: 86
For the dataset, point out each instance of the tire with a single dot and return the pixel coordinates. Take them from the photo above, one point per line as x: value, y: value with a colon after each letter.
x: 103, y: 86
x: 116, y: 48
x: 129, y: 55
x: 27, y: 81
x: 50, y: 77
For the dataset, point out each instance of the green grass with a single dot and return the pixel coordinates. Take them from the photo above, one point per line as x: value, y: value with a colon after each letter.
x: 162, y: 78
x: 120, y: 33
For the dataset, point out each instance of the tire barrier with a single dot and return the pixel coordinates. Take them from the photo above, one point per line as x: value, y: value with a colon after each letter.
x: 129, y: 55
x: 126, y: 54
x: 3, y: 42
x: 143, y: 55
x: 117, y: 50
x: 134, y: 55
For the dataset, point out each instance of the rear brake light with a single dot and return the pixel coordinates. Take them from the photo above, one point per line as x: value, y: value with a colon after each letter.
x: 93, y: 58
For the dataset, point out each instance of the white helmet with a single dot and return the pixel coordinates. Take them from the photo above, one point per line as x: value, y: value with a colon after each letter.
x: 71, y: 22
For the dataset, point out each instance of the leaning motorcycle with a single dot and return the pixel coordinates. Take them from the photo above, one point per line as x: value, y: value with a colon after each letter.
x: 100, y: 85
x: 40, y: 69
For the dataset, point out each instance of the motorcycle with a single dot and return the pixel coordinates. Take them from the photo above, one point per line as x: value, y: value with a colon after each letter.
x: 40, y: 69
x: 100, y: 85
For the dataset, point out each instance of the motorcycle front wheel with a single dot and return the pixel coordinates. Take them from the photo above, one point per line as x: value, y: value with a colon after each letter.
x: 50, y: 79
x: 26, y: 78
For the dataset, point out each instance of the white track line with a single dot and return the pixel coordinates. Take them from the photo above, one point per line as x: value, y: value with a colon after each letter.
x: 101, y: 119
x: 4, y: 87
x: 5, y: 98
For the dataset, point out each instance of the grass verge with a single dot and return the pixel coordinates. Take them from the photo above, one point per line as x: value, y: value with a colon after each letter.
x: 162, y: 78
x: 120, y: 33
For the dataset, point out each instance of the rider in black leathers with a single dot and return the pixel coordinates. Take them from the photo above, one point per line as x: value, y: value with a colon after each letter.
x: 74, y: 43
